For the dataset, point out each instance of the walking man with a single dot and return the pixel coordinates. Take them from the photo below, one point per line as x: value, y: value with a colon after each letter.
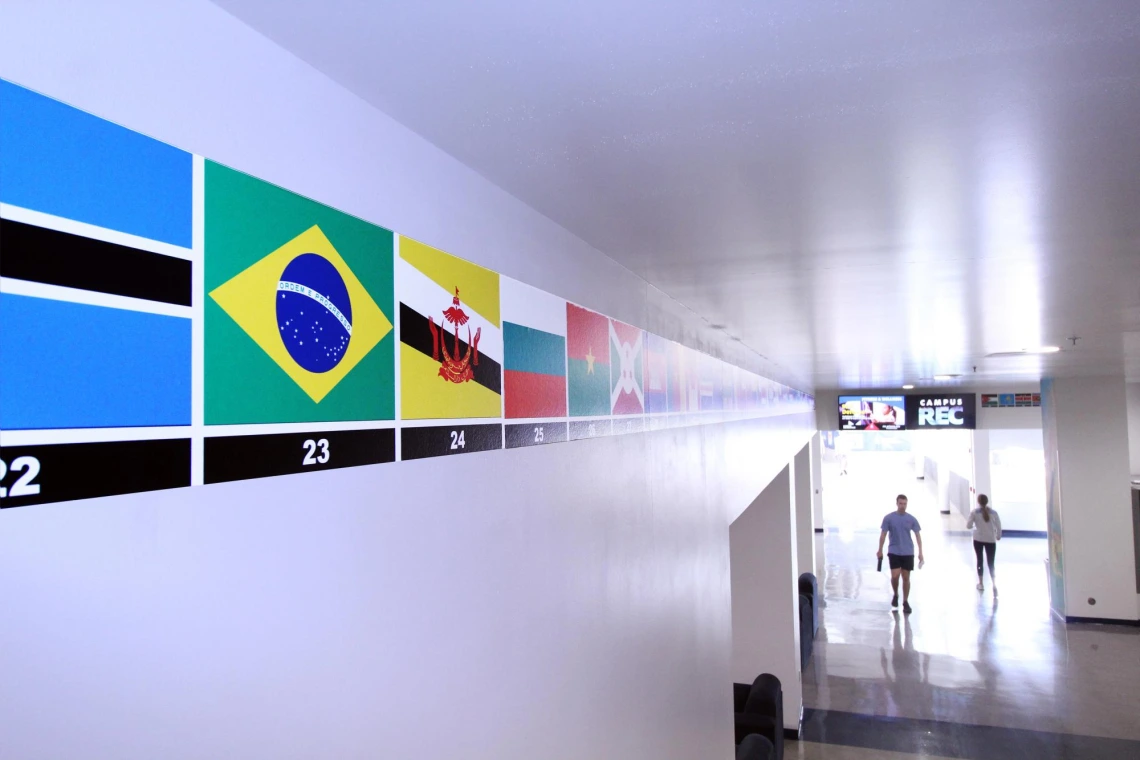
x: 901, y: 549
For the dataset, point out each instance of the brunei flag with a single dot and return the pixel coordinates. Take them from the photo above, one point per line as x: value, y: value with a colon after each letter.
x: 451, y: 343
x: 627, y: 368
x: 534, y: 352
x: 297, y: 320
x: 656, y: 375
x: 587, y: 362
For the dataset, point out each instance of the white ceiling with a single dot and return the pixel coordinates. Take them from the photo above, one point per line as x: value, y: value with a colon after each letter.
x: 869, y: 193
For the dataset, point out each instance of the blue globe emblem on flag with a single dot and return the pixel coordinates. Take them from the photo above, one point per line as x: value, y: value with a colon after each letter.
x: 314, y: 312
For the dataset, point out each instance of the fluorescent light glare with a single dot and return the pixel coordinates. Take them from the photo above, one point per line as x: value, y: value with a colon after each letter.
x: 944, y: 377
x: 908, y: 387
x: 1024, y: 352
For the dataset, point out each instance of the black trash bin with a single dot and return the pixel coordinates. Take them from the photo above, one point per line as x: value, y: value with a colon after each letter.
x: 805, y: 631
x: 810, y: 588
x: 760, y: 710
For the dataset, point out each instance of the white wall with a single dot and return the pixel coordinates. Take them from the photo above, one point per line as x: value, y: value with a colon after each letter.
x: 983, y: 466
x: 805, y: 527
x: 765, y: 595
x: 1009, y: 418
x: 950, y: 471
x: 573, y: 598
x: 1092, y: 445
x: 1132, y: 396
x: 1017, y: 478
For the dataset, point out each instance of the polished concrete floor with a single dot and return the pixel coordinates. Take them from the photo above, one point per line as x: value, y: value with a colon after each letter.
x: 966, y: 674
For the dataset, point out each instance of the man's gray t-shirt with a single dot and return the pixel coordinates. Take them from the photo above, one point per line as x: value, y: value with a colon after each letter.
x: 900, y: 526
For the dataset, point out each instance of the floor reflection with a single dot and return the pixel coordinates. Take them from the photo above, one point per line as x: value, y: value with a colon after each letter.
x: 963, y: 656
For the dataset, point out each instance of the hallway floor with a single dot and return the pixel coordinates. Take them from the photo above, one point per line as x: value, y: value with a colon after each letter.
x: 966, y: 675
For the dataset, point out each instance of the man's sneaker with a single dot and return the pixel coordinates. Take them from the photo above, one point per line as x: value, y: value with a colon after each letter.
x: 981, y: 586
x: 906, y: 608
x: 895, y: 600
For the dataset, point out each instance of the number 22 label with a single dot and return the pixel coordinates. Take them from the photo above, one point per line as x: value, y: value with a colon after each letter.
x: 30, y: 467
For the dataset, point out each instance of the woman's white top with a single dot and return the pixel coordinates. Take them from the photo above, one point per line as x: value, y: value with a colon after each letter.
x: 985, y: 532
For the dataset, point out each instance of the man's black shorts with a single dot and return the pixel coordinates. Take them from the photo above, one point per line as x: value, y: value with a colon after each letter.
x: 903, y: 561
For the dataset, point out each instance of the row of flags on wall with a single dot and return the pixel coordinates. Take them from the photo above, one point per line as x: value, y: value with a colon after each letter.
x: 302, y: 311
x: 167, y: 321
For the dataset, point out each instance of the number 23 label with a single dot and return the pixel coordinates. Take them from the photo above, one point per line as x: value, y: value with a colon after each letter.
x: 311, y: 447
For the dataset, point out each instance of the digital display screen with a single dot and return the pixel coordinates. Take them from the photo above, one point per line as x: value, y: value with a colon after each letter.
x: 872, y: 413
x: 949, y: 411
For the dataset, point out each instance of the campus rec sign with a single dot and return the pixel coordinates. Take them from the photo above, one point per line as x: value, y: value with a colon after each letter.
x: 950, y: 411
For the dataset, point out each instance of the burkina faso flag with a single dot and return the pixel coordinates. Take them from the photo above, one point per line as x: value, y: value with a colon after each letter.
x: 587, y: 362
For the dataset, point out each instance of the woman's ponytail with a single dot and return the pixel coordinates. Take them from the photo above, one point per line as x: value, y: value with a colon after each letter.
x: 983, y: 502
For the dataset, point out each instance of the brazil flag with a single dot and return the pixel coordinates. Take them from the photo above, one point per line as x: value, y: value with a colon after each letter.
x: 298, y: 324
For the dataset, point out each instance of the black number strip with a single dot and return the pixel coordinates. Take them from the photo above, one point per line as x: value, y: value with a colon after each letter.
x: 86, y: 470
x: 242, y: 457
x: 445, y: 440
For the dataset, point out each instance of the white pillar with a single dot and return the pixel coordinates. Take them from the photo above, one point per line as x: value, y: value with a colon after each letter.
x: 805, y: 530
x: 1132, y: 394
x: 817, y: 480
x: 1091, y: 550
x: 765, y: 596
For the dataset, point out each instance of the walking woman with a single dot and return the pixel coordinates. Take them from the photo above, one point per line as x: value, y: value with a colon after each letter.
x: 987, y: 532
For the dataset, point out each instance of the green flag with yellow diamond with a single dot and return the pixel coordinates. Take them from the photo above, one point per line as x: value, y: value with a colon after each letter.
x: 298, y: 309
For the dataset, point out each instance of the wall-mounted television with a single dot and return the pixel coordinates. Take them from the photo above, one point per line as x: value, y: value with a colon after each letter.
x: 872, y: 413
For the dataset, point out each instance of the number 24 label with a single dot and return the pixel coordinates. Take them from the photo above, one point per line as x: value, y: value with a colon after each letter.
x: 30, y: 467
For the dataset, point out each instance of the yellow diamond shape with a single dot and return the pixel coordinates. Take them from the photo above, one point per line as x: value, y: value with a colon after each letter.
x: 250, y: 300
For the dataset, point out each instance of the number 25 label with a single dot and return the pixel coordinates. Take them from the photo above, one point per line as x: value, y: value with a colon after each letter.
x: 310, y: 446
x: 30, y: 467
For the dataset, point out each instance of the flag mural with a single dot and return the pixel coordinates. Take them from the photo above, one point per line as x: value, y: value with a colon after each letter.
x: 534, y: 352
x: 747, y: 390
x: 627, y: 368
x: 740, y: 388
x: 587, y: 361
x: 451, y: 343
x: 656, y: 374
x: 298, y: 318
x: 167, y: 321
x: 676, y: 384
x: 96, y: 297
x: 61, y: 161
x: 727, y: 386
x: 709, y: 383
x: 684, y: 379
x: 95, y: 303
